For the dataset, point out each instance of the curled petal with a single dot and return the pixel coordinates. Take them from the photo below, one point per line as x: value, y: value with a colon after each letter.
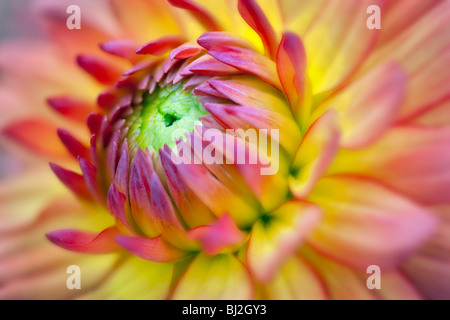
x: 200, y: 13
x: 291, y: 66
x: 152, y: 249
x: 192, y: 210
x: 85, y: 242
x: 274, y: 242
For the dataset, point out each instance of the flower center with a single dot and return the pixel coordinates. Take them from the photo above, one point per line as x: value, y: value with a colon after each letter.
x: 163, y: 116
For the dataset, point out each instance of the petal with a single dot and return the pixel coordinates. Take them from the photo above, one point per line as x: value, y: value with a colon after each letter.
x: 315, y: 154
x: 253, y: 93
x: 71, y: 108
x: 200, y: 13
x: 296, y: 281
x: 194, y: 212
x: 221, y: 277
x: 73, y: 145
x: 291, y: 66
x: 74, y: 181
x: 216, y: 196
x: 248, y: 61
x: 139, y: 187
x: 429, y: 269
x: 38, y: 136
x: 146, y: 274
x: 251, y: 12
x: 367, y: 224
x: 85, y: 242
x: 334, y: 56
x: 152, y: 249
x: 244, y: 117
x: 368, y: 107
x: 411, y: 159
x: 144, y: 19
x: 220, y: 235
x: 165, y: 218
x: 102, y: 71
x: 122, y: 48
x: 185, y: 51
x: 161, y: 45
x: 90, y: 176
x: 116, y: 203
x: 273, y: 242
x: 210, y: 40
x: 341, y: 282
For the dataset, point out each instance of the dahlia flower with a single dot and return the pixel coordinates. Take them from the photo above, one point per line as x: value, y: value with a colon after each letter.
x: 353, y: 121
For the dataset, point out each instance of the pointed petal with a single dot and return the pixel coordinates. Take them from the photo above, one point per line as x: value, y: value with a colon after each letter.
x: 102, y: 71
x: 248, y: 61
x: 85, y: 242
x: 122, y: 48
x: 366, y: 224
x: 337, y: 44
x: 216, y: 196
x: 315, y: 154
x: 208, y: 66
x: 200, y: 13
x: 38, y: 136
x: 74, y: 181
x: 161, y: 45
x: 296, y: 281
x: 375, y: 100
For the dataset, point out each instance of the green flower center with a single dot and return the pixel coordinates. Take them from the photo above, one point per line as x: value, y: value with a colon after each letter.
x: 161, y: 117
